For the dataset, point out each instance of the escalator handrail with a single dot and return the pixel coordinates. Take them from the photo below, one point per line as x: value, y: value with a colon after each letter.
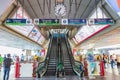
x: 57, y: 56
x: 48, y: 55
x: 47, y: 58
x: 72, y: 58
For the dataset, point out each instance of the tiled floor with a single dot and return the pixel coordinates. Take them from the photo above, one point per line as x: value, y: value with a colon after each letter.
x: 26, y: 72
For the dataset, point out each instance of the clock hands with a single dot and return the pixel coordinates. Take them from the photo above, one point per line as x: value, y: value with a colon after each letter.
x: 59, y: 10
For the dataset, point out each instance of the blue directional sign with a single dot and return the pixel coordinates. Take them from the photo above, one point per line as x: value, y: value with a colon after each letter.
x: 76, y: 21
x: 103, y: 21
x: 20, y: 22
x: 46, y: 22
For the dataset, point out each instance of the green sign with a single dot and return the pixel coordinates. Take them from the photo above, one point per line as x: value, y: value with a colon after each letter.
x: 46, y: 22
x: 18, y: 22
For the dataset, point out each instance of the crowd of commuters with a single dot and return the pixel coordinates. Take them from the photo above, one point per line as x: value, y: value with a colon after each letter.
x: 113, y: 60
x: 110, y: 61
x: 8, y: 60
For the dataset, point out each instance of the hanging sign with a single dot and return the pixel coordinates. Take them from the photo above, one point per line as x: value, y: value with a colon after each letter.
x: 46, y: 22
x: 19, y: 22
x: 103, y: 21
x: 74, y: 22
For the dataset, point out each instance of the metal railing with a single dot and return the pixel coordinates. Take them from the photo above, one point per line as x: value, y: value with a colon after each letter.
x: 75, y: 64
x: 42, y: 66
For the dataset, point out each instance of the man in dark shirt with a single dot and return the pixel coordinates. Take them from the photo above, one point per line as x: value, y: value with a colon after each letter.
x: 7, y: 64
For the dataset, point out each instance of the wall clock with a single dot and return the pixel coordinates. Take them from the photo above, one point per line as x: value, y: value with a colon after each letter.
x: 60, y: 10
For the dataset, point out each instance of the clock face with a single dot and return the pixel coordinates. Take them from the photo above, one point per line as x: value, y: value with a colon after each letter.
x: 60, y: 10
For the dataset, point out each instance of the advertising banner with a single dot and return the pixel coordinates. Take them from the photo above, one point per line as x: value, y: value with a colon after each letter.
x: 93, y: 68
x: 35, y: 34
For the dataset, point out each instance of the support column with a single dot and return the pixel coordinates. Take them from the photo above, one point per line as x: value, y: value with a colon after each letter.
x: 73, y: 32
x: 28, y: 53
x: 44, y: 33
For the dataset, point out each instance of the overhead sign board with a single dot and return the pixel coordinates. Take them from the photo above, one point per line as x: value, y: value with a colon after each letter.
x: 74, y: 22
x: 103, y: 21
x: 20, y: 22
x: 77, y: 21
x: 46, y: 22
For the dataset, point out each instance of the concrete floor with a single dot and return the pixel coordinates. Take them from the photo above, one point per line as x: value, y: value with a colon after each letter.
x: 26, y: 72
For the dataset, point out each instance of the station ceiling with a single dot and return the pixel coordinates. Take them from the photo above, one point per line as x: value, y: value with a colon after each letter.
x: 44, y: 9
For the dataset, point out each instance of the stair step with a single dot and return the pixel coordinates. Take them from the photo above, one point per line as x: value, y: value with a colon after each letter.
x: 68, y: 67
x: 51, y: 63
x: 52, y: 69
x: 67, y: 62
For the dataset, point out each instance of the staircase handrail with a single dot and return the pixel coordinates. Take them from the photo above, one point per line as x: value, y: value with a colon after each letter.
x: 73, y: 61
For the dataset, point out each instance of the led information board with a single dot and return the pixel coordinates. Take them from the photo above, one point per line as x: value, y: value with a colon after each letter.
x: 74, y: 22
x: 46, y: 22
x: 20, y: 22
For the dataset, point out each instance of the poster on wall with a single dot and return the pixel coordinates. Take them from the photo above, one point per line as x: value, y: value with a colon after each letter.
x: 43, y: 52
x: 88, y: 31
x: 35, y: 34
x: 90, y: 56
x: 25, y: 30
x: 74, y: 51
x: 41, y: 40
x: 94, y: 68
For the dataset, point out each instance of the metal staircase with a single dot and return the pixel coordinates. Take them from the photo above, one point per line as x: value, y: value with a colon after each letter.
x: 51, y: 67
x: 66, y: 59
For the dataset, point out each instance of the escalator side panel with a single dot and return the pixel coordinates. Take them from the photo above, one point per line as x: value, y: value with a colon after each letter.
x: 51, y: 70
x: 67, y: 62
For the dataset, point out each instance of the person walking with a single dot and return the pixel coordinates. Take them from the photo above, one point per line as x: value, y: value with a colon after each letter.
x: 7, y: 64
x: 112, y: 63
x: 118, y: 63
x: 81, y: 69
x: 22, y: 58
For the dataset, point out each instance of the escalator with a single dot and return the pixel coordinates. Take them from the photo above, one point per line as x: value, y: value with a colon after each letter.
x: 51, y: 66
x: 68, y: 68
x: 59, y: 52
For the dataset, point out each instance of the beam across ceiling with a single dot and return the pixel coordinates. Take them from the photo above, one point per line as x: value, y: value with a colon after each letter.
x: 77, y: 8
x: 40, y: 7
x: 69, y: 11
x: 8, y: 12
x: 15, y: 33
x: 86, y: 8
x: 32, y: 9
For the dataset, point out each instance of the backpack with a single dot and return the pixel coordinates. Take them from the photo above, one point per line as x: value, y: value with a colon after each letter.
x: 81, y: 68
x: 7, y: 62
